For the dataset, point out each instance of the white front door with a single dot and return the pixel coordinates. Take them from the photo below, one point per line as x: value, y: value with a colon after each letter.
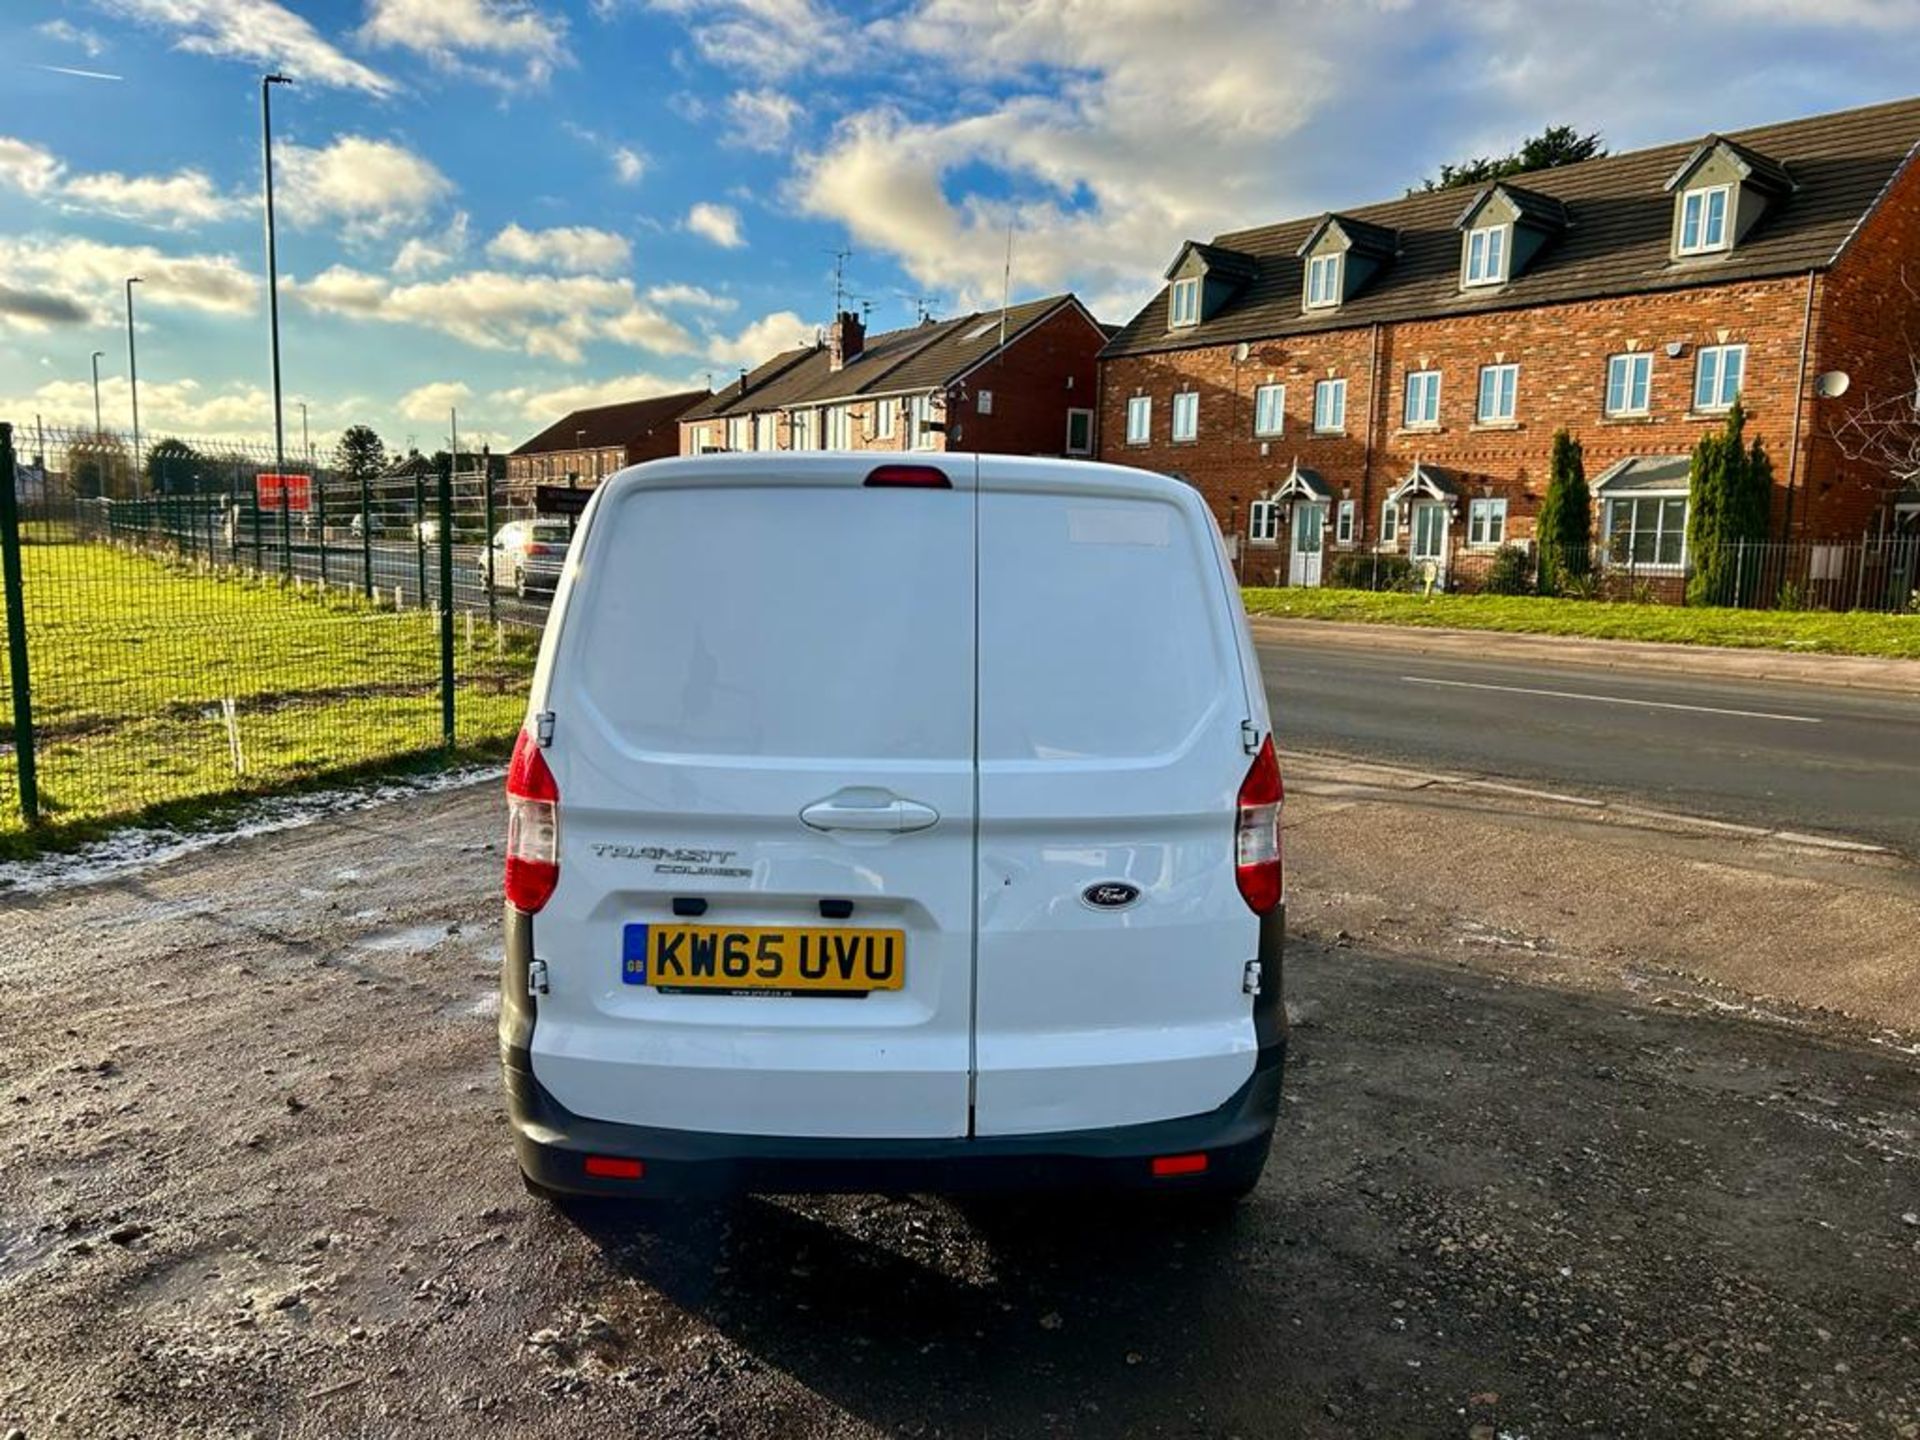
x: 1428, y: 545
x: 1309, y: 541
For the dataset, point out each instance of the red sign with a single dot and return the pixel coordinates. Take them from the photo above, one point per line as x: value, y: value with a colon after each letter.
x: 276, y: 492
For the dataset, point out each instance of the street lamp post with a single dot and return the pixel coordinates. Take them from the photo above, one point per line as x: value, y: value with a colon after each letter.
x: 267, y: 82
x: 96, y: 393
x: 133, y: 379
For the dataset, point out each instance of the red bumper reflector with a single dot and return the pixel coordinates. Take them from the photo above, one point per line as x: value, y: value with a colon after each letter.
x: 1165, y: 1165
x: 611, y: 1167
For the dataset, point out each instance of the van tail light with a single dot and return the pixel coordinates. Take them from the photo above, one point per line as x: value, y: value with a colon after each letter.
x: 908, y: 477
x: 533, y: 827
x: 1257, y: 864
x: 536, y: 549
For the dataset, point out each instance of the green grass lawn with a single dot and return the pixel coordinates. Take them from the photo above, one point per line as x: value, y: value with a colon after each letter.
x: 132, y: 658
x: 1827, y: 632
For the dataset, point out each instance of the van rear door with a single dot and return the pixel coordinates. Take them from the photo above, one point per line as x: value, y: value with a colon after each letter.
x: 1112, y: 701
x: 762, y: 691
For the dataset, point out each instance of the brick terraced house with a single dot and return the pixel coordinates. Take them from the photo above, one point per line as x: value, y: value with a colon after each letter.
x: 588, y: 445
x: 1391, y: 376
x: 942, y: 385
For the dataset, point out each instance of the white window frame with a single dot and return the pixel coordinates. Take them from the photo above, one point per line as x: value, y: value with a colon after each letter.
x: 1424, y: 385
x: 1330, y: 407
x: 1702, y: 244
x: 1323, y: 281
x: 1272, y: 400
x: 1343, y: 517
x: 739, y: 432
x: 1263, y: 523
x: 1085, y: 417
x: 1719, y: 402
x: 983, y: 402
x: 1488, y: 247
x: 1389, y: 522
x: 1441, y: 531
x: 1629, y: 362
x: 1660, y: 530
x: 1184, y: 421
x: 1183, y: 303
x: 886, y: 422
x: 1486, y: 522
x: 766, y: 434
x: 1140, y: 420
x: 1501, y: 413
x: 919, y: 417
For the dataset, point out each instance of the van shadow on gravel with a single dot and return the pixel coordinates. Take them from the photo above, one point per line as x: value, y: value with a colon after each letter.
x: 1488, y: 1205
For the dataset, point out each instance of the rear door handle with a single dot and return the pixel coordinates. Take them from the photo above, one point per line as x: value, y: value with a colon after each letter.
x: 890, y: 814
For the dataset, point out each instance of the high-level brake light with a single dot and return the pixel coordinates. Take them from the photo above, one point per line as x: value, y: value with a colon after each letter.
x: 908, y: 477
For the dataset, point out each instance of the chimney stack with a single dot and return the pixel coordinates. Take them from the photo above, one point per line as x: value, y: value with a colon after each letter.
x: 846, y: 337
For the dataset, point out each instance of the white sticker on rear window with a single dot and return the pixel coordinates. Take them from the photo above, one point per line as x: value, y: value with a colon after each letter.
x: 1118, y: 525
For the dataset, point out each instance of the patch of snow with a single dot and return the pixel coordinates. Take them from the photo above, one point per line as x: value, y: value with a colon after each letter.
x: 134, y: 849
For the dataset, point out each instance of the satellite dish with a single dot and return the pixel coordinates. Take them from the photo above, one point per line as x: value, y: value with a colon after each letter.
x: 1832, y: 385
x: 1676, y: 348
x: 1242, y: 353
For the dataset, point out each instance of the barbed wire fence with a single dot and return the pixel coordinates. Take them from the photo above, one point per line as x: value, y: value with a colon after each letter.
x: 195, y: 621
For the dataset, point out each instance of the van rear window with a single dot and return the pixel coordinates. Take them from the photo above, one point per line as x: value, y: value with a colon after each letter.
x: 780, y: 622
x: 1100, y: 629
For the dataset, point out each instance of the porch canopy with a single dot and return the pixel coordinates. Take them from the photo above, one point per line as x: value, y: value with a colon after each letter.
x: 1302, y: 485
x: 1427, y: 482
x: 1665, y: 473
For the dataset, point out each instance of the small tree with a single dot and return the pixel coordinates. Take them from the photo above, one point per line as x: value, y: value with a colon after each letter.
x: 1556, y: 145
x: 1565, y: 529
x: 1729, y: 507
x: 360, y: 453
x: 173, y: 467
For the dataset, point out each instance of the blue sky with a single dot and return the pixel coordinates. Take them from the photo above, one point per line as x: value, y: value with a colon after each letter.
x: 517, y: 206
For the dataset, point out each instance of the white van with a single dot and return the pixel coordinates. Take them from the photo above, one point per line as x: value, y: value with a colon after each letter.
x: 893, y: 823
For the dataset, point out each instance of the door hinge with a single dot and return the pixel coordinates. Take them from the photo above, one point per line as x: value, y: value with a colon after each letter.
x: 543, y: 729
x: 1249, y: 738
x: 1250, y: 979
x: 537, y: 977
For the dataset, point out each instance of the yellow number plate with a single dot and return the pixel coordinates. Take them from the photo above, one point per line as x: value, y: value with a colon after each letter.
x: 763, y: 958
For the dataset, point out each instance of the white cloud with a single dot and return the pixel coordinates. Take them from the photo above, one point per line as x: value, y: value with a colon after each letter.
x: 691, y: 297
x: 578, y: 249
x: 423, y: 254
x: 432, y: 401
x: 185, y: 408
x: 762, y: 340
x: 718, y: 223
x: 543, y: 404
x: 628, y: 164
x: 183, y: 198
x: 545, y: 315
x: 761, y: 119
x: 262, y: 32
x: 28, y: 167
x: 90, y: 275
x: 67, y: 33
x: 367, y: 187
x: 767, y: 37
x: 449, y: 32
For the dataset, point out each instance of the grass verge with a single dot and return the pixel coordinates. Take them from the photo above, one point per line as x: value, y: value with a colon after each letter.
x: 134, y: 662
x: 1803, y: 631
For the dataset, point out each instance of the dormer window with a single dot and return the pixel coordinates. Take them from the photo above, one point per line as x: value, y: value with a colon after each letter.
x: 1703, y: 220
x: 1183, y: 302
x: 1487, y: 255
x: 1323, y: 281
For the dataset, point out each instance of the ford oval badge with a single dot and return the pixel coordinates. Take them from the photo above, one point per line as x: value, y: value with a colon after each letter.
x: 1110, y: 894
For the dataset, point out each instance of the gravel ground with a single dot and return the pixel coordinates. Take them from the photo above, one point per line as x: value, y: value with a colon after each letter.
x: 255, y: 1180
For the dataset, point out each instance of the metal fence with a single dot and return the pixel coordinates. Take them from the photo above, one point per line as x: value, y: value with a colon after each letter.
x: 1875, y: 572
x: 199, y: 621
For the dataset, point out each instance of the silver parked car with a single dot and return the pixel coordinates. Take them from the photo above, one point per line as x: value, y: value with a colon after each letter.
x: 526, y: 555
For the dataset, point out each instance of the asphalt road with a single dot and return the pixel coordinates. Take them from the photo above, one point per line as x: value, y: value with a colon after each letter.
x: 1836, y: 762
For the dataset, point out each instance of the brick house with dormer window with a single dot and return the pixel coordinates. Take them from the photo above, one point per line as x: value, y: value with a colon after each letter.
x: 1390, y: 377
